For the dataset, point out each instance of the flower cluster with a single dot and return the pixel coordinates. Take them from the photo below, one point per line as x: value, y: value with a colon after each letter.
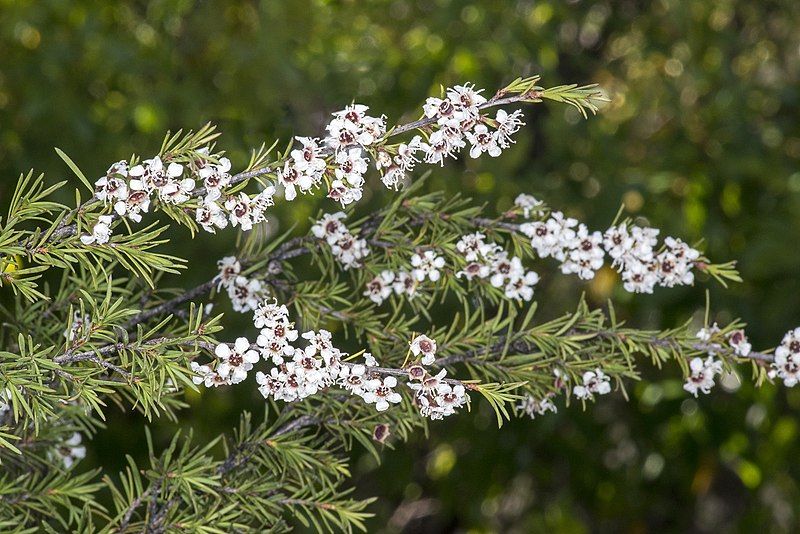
x: 425, y: 265
x: 130, y: 192
x: 245, y: 293
x: 345, y: 247
x: 458, y: 121
x: 634, y: 252
x: 787, y: 359
x: 702, y: 371
x: 435, y: 396
x: 301, y: 372
x: 489, y: 260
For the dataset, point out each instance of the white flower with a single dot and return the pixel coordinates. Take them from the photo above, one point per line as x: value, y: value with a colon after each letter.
x: 113, y: 186
x: 245, y: 294
x: 618, y: 243
x: 593, y: 382
x: 552, y: 237
x: 586, y: 256
x: 309, y: 159
x: 260, y: 203
x: 738, y: 340
x: 330, y: 227
x: 380, y: 287
x: 471, y: 246
x: 215, y: 177
x: 705, y: 334
x: 345, y: 194
x: 240, y: 212
x: 268, y: 314
x: 349, y: 250
x: 207, y: 376
x: 353, y: 126
x: 69, y: 451
x: 424, y: 346
x: 137, y: 201
x: 380, y: 393
x: 177, y: 192
x: 406, y: 153
x: 483, y: 141
x: 507, y: 125
x: 528, y: 204
x: 466, y: 98
x: 639, y: 277
x: 101, y: 232
x: 474, y: 270
x: 702, y: 375
x: 405, y: 283
x: 533, y: 407
x: 442, y: 109
x: 449, y: 397
x: 210, y: 216
x: 521, y: 287
x: 439, y: 146
x: 427, y: 265
x: 504, y: 269
x: 275, y: 346
x: 787, y: 359
x: 351, y: 166
x: 353, y: 379
x: 229, y: 268
x: 237, y: 361
x: 290, y: 177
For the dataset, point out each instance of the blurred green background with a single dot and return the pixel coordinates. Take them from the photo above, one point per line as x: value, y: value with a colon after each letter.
x: 701, y: 138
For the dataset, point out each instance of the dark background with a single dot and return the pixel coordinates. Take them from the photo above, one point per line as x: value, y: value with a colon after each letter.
x: 701, y: 138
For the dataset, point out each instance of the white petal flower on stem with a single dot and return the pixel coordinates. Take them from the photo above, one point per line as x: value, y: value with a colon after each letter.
x: 245, y: 294
x: 210, y: 216
x: 427, y: 265
x: 239, y: 209
x: 738, y: 340
x: 136, y: 203
x: 507, y: 125
x: 528, y: 204
x: 702, y: 373
x: 483, y: 141
x: 69, y: 451
x: 467, y: 98
x: 113, y: 186
x: 229, y: 268
x: 381, y: 393
x: 405, y: 284
x: 101, y: 231
x: 594, y: 382
x: 309, y: 158
x: 786, y: 364
x: 235, y: 361
x: 425, y: 347
x: 533, y: 407
x: 330, y: 227
x: 380, y: 287
x: 268, y: 314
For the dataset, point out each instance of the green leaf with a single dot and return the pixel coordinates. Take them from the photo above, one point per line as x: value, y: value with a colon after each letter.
x: 75, y: 169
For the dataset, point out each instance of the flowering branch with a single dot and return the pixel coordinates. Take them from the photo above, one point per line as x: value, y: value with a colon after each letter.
x: 375, y: 289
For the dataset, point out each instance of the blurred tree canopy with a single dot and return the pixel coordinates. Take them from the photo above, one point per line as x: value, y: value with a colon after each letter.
x: 701, y: 138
